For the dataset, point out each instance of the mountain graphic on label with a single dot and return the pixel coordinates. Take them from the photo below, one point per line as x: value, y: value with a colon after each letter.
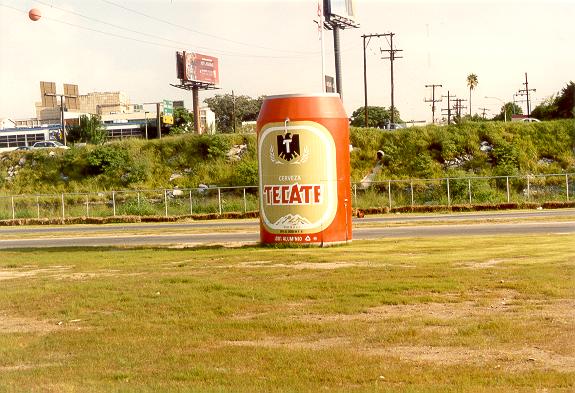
x: 292, y: 221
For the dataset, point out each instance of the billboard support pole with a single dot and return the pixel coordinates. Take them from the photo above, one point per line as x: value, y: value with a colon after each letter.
x: 336, y: 50
x: 196, y: 108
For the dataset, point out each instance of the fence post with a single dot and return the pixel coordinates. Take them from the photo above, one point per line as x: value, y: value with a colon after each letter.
x: 567, y: 185
x: 13, y: 209
x: 469, y: 184
x: 411, y: 187
x: 448, y: 194
x: 191, y: 206
x: 138, y: 198
x: 245, y: 202
x: 114, y: 203
x: 87, y: 205
x: 220, y: 200
x: 38, y: 206
x: 166, y: 202
x: 63, y: 208
x: 389, y: 192
x: 528, y: 188
x: 507, y: 185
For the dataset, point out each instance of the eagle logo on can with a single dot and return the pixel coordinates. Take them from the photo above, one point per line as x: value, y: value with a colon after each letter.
x: 288, y: 146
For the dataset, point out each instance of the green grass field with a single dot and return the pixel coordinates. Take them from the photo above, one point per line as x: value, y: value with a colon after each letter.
x: 470, y: 314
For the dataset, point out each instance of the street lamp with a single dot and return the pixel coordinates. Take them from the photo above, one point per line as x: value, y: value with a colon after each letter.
x: 504, y: 109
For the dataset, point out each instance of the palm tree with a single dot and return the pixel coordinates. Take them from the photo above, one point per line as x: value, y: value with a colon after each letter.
x: 471, y: 83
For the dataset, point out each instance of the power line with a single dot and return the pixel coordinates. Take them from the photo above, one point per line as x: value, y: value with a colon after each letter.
x: 180, y: 43
x: 197, y: 31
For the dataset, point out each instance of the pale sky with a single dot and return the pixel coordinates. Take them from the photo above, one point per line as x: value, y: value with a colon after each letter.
x: 268, y: 47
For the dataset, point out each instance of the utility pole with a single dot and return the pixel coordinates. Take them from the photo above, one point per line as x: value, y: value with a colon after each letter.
x: 525, y: 92
x: 449, y: 97
x: 365, y: 44
x: 391, y: 52
x: 484, y: 110
x: 234, y: 111
x: 459, y: 107
x: 433, y: 101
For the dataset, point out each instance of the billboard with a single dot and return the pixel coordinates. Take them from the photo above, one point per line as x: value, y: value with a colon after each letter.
x: 48, y: 93
x: 195, y: 67
x: 339, y: 8
x: 71, y: 94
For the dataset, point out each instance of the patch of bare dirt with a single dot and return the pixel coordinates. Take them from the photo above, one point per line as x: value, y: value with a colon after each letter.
x: 24, y: 367
x: 10, y: 324
x: 10, y: 274
x: 271, y: 342
x: 507, y: 359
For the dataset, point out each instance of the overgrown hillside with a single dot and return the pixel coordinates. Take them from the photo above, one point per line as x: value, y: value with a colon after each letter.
x: 186, y: 161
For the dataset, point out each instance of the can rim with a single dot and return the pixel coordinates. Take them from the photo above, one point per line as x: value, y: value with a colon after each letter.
x: 273, y: 97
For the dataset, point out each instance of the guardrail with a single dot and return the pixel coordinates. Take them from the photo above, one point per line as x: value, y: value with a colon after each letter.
x: 220, y: 200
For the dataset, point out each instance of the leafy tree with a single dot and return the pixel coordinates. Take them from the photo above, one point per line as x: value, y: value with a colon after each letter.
x: 472, y: 84
x: 227, y: 107
x: 183, y: 122
x: 507, y: 110
x: 566, y: 102
x: 547, y: 110
x: 90, y: 130
x: 378, y: 117
x: 561, y: 106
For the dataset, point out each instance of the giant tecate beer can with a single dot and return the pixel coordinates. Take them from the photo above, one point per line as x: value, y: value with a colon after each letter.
x: 304, y: 170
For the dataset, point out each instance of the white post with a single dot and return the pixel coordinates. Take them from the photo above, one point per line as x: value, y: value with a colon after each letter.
x: 448, y: 194
x: 245, y: 202
x: 220, y: 200
x: 191, y: 206
x: 507, y: 184
x: 114, y: 203
x: 528, y: 188
x: 389, y: 192
x: 469, y: 184
x: 567, y: 185
x: 87, y: 205
x: 166, y: 202
x: 411, y: 187
x: 38, y: 206
x: 13, y: 209
x: 63, y: 208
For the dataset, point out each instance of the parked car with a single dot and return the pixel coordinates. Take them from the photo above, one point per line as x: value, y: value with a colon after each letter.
x: 530, y: 120
x: 23, y: 148
x: 49, y: 145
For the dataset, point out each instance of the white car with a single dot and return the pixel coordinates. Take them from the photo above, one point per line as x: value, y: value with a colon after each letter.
x: 530, y: 120
x: 49, y: 145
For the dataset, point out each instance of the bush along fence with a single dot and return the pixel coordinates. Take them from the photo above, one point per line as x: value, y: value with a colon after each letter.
x: 471, y: 193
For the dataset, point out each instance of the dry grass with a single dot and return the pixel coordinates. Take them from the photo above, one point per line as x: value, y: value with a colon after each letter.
x: 473, y: 314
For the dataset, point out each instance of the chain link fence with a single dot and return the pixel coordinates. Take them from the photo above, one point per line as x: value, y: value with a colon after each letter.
x: 220, y: 200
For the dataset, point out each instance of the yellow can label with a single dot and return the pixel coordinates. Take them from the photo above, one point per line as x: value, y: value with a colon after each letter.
x: 298, y: 177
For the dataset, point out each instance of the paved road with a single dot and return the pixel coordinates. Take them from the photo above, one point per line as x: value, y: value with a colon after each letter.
x: 253, y: 224
x: 250, y: 234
